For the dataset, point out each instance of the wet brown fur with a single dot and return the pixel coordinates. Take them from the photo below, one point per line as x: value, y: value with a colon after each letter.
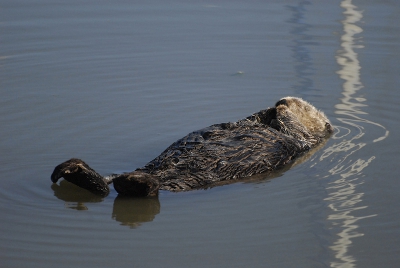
x: 260, y: 143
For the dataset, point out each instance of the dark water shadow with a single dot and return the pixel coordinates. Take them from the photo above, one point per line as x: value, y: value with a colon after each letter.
x: 127, y: 211
x: 133, y: 212
x: 74, y: 196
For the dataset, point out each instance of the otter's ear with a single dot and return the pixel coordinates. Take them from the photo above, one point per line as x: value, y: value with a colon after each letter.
x: 281, y: 102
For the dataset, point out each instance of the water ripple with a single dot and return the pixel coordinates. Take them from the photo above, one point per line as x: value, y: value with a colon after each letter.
x: 344, y: 195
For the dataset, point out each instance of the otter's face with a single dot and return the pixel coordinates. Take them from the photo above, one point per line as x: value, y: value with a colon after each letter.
x: 316, y: 123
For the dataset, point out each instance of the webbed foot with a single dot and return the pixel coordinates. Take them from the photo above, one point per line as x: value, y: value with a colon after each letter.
x: 136, y: 183
x: 79, y: 173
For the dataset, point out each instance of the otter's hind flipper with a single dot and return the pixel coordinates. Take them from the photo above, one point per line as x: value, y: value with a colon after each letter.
x: 79, y: 173
x: 136, y: 183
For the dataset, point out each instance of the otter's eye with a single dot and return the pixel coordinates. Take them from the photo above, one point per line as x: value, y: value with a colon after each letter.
x: 281, y: 102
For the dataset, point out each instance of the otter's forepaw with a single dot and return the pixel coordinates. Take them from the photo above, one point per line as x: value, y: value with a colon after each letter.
x: 137, y: 184
x: 79, y: 173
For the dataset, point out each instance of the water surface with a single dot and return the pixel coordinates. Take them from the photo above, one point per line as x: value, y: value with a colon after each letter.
x: 117, y: 83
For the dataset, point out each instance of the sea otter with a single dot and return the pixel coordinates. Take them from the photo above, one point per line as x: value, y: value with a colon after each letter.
x: 260, y: 143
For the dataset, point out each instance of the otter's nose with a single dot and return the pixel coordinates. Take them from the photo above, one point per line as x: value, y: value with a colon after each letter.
x: 329, y: 127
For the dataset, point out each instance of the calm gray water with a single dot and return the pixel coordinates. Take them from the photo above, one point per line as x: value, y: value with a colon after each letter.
x: 116, y: 82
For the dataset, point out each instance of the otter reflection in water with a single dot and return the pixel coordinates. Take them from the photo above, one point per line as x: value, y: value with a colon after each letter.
x: 128, y: 211
x: 221, y: 153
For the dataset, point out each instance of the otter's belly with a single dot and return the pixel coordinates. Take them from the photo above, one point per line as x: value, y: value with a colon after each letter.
x: 223, y: 152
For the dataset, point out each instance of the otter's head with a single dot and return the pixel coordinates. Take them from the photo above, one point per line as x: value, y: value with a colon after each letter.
x: 300, y: 119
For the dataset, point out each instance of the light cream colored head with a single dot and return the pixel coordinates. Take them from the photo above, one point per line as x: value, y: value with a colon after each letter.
x: 315, y: 121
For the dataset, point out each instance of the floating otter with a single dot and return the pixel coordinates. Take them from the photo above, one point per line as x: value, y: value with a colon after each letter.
x: 260, y: 143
